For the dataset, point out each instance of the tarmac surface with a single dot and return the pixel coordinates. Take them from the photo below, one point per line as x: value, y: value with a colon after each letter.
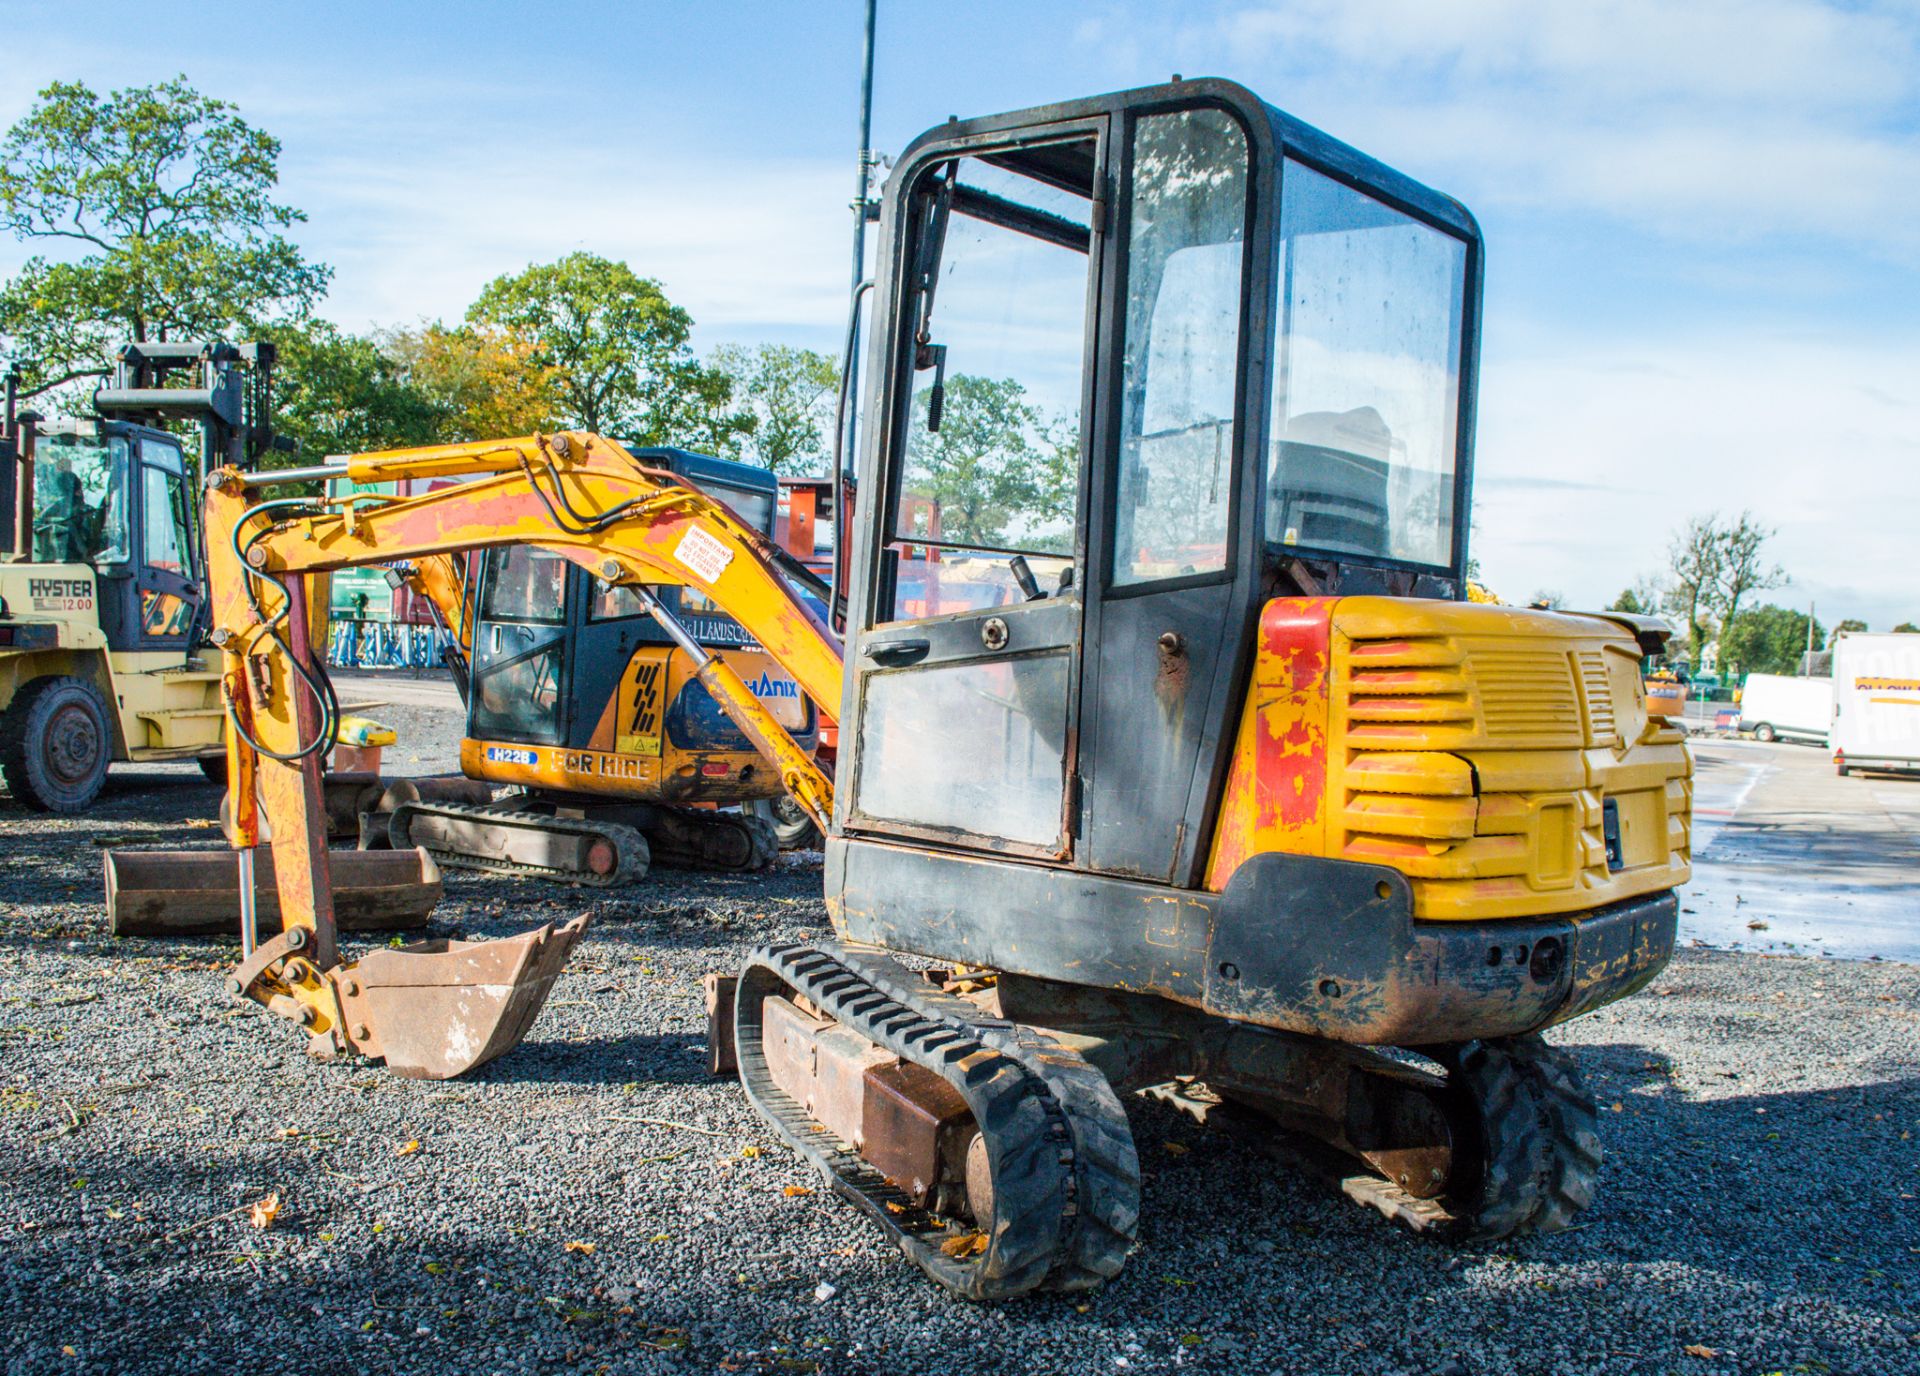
x: 1789, y: 856
x: 594, y: 1203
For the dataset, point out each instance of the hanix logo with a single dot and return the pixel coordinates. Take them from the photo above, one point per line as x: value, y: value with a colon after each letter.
x: 59, y: 587
x: 767, y: 686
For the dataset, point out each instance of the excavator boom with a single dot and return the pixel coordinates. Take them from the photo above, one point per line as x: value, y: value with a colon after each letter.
x: 438, y: 1009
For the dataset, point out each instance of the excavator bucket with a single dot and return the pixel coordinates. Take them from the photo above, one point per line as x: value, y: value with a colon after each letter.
x: 436, y: 1009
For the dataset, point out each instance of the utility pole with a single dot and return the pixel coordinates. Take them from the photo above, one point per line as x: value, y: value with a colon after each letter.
x: 861, y: 175
x: 847, y: 422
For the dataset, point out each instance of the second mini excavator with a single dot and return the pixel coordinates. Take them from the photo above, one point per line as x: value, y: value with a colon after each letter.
x: 1185, y: 745
x: 576, y: 700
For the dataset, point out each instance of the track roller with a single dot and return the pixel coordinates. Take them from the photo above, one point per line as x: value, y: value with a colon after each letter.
x: 992, y: 1154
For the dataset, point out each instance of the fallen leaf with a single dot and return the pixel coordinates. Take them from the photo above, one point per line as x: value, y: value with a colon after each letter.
x: 1176, y: 1148
x: 585, y: 1249
x: 265, y: 1210
x: 795, y: 1191
x: 894, y: 1208
x: 965, y: 1245
x: 435, y: 1268
x: 409, y: 1149
x: 749, y: 1151
x: 1700, y: 1350
x: 66, y: 1350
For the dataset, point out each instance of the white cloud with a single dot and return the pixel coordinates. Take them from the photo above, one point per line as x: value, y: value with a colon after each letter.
x: 1713, y: 120
x: 1590, y: 457
x: 739, y: 244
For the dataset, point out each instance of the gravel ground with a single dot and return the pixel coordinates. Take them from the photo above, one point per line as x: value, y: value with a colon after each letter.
x: 595, y: 1203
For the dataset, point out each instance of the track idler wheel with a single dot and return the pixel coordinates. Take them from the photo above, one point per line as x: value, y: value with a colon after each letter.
x: 1025, y: 1175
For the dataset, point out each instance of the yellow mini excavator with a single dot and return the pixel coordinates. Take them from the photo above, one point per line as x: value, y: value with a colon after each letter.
x: 616, y: 757
x: 1181, y: 754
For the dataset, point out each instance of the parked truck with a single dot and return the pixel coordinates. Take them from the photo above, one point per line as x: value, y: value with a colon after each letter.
x: 1876, y: 702
x: 1782, y: 707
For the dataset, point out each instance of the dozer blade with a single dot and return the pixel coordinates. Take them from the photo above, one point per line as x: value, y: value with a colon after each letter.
x: 168, y: 893
x: 436, y: 1009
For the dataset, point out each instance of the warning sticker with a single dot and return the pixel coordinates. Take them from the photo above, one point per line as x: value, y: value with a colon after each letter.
x: 703, y: 554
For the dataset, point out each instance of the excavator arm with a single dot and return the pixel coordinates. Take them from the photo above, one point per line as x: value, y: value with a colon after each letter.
x: 440, y: 1008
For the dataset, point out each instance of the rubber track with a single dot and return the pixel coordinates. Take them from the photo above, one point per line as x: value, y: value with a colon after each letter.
x: 1066, y: 1180
x: 630, y: 847
x: 756, y: 834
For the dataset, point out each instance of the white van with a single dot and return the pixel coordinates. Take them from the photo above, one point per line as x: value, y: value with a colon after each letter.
x: 1876, y: 702
x: 1775, y: 707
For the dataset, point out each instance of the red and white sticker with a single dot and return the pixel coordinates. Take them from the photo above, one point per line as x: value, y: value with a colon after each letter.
x: 703, y: 554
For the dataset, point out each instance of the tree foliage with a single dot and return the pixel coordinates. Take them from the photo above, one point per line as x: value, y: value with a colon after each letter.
x: 988, y: 468
x: 1767, y: 640
x: 617, y: 350
x: 790, y: 393
x: 1713, y: 564
x: 165, y: 196
x: 1850, y: 624
x: 481, y: 381
x: 1693, y: 561
x: 1906, y: 628
x: 338, y: 393
x: 1743, y: 566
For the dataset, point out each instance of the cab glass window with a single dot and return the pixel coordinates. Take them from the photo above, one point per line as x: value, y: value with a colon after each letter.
x: 1366, y: 386
x: 992, y: 449
x: 527, y: 584
x: 1188, y: 220
x: 169, y: 537
x: 80, y: 500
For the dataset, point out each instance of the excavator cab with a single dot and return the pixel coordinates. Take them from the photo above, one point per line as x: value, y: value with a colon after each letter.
x: 1152, y: 363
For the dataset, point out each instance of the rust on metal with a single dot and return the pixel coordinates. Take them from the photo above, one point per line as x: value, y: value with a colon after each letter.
x: 720, y: 1053
x: 196, y: 892
x: 912, y: 1123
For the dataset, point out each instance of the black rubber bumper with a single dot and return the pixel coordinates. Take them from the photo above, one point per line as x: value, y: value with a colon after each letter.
x: 1329, y: 948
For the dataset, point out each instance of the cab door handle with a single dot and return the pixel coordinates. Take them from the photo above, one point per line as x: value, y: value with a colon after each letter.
x: 901, y: 651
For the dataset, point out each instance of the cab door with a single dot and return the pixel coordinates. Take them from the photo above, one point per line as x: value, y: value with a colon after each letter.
x: 967, y: 661
x: 519, y: 683
x: 167, y: 578
x: 1168, y: 628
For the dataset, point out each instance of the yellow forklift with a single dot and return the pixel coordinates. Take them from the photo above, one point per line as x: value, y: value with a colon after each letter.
x: 1179, y: 766
x: 102, y: 578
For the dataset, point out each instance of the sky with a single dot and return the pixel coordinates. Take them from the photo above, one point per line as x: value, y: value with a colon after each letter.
x: 1702, y: 220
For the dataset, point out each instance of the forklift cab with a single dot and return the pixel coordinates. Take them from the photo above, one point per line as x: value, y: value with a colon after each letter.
x: 114, y: 496
x: 552, y: 642
x: 1143, y: 363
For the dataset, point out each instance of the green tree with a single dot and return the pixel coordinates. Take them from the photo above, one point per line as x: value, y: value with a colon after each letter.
x: 791, y: 393
x: 981, y: 468
x: 1906, y: 628
x: 1850, y: 625
x: 1743, y: 567
x: 1629, y: 602
x: 482, y: 380
x: 618, y: 351
x: 166, y: 197
x: 1694, y: 560
x: 338, y: 393
x: 1766, y: 640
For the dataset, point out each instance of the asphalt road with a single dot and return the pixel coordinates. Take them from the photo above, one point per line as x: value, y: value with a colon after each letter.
x: 1788, y: 856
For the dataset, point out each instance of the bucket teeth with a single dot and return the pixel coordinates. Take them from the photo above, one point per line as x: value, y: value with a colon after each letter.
x: 434, y: 1010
